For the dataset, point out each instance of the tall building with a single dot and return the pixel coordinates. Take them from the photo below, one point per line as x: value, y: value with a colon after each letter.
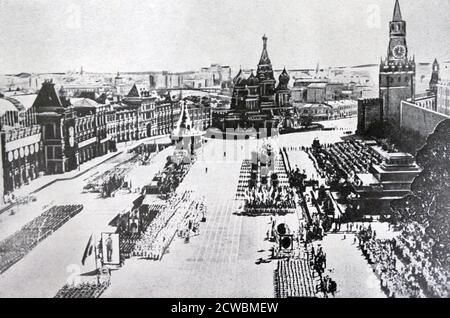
x: 22, y: 157
x: 58, y: 134
x: 256, y: 101
x: 144, y: 101
x: 434, y: 78
x: 186, y: 136
x: 397, y: 71
x: 74, y: 130
x: 266, y: 78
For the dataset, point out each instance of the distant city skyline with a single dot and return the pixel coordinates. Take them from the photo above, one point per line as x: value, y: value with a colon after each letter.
x: 39, y: 36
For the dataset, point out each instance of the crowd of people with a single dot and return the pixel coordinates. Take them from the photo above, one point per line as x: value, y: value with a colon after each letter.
x: 170, y: 177
x: 181, y: 210
x: 146, y: 152
x: 316, y: 212
x: 293, y: 278
x: 10, y: 198
x: 16, y: 246
x: 394, y: 280
x: 111, y: 180
x: 272, y: 200
x: 313, y: 231
x: 190, y: 225
x: 318, y: 222
x: 127, y: 242
x: 328, y: 286
x: 318, y: 260
x: 83, y: 290
x: 244, y: 176
x: 344, y: 160
x: 405, y: 264
x: 415, y: 248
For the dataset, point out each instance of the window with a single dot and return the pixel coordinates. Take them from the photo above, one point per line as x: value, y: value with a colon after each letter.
x: 50, y: 153
x: 49, y: 131
x: 58, y: 152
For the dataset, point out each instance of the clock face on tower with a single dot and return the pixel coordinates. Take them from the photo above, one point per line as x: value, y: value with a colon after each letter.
x: 399, y: 51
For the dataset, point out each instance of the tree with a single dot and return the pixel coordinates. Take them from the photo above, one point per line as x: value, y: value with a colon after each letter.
x: 429, y: 203
x: 408, y: 209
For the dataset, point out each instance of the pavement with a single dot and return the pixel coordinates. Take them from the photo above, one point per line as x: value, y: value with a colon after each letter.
x: 57, y: 259
x: 220, y: 262
x: 44, y: 181
x: 353, y: 274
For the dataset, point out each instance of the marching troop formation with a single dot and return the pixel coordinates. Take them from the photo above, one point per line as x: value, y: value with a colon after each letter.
x: 16, y: 246
x: 274, y: 196
x: 83, y: 290
x: 181, y: 210
x: 344, y: 159
x: 129, y: 235
x: 293, y: 278
x: 274, y: 200
x: 111, y: 180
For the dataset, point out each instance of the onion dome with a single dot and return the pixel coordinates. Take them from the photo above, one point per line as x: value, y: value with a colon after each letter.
x: 284, y: 77
x: 237, y: 77
x: 240, y: 80
x: 252, y: 80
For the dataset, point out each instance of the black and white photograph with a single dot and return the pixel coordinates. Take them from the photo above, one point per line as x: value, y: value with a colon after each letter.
x: 225, y: 149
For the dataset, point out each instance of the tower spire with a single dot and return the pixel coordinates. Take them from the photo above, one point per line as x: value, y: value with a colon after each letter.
x: 264, y: 55
x: 397, y: 12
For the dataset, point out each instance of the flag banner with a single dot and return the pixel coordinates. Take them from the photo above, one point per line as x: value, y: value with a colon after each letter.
x: 88, y: 250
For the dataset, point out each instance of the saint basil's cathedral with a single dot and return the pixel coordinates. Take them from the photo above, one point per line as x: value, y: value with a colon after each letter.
x: 257, y: 102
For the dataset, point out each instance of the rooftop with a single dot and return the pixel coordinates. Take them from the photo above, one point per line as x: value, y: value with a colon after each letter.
x: 26, y: 100
x: 311, y: 105
x: 84, y: 102
x: 393, y: 155
x: 317, y: 85
x: 6, y: 106
x: 344, y: 102
x: 18, y: 103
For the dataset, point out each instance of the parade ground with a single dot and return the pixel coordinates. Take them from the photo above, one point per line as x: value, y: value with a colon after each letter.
x: 228, y: 258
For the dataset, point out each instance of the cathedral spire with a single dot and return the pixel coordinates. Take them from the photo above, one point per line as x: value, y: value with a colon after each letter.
x: 264, y: 55
x: 397, y: 12
x: 184, y: 122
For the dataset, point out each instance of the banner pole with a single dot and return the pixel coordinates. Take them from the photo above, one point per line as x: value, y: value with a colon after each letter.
x: 96, y: 261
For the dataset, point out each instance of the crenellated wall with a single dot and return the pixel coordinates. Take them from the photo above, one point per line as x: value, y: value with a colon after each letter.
x: 421, y: 120
x: 369, y: 112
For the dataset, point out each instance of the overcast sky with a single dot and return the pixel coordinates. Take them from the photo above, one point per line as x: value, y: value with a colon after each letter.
x: 177, y: 35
